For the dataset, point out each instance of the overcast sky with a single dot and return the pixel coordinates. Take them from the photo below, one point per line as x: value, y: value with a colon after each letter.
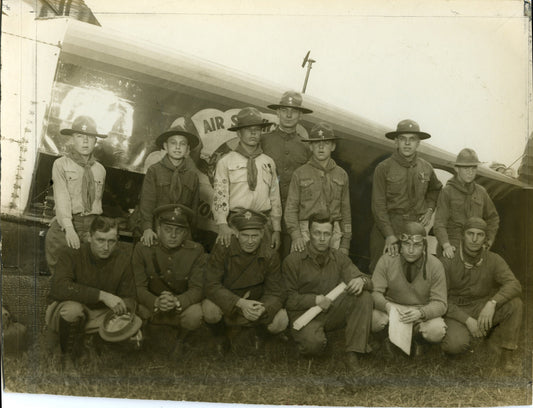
x: 459, y: 68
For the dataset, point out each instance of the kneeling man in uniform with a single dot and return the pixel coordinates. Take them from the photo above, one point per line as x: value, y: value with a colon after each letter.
x: 483, y: 297
x: 87, y: 284
x: 415, y: 284
x: 243, y: 282
x: 313, y: 273
x: 169, y: 275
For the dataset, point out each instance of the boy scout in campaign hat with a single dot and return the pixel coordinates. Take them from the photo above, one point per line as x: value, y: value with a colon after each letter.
x: 319, y: 186
x: 78, y: 181
x: 169, y: 275
x: 285, y: 145
x: 461, y: 199
x: 243, y: 282
x: 246, y: 178
x: 405, y: 188
x: 172, y: 180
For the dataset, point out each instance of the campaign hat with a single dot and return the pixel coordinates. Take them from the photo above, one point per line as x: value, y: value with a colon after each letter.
x: 407, y: 126
x: 117, y: 328
x: 174, y: 214
x: 291, y: 99
x: 248, y: 117
x: 321, y: 131
x: 84, y: 125
x: 244, y: 219
x: 181, y: 126
x: 466, y: 158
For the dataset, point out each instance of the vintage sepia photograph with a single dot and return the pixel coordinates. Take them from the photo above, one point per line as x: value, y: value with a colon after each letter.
x: 284, y: 203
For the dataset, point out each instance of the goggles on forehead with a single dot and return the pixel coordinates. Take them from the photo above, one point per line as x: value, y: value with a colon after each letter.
x: 413, y: 238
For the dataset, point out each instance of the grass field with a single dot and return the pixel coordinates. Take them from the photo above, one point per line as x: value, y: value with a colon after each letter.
x: 276, y: 375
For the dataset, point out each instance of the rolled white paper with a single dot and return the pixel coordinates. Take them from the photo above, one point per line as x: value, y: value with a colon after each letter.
x: 312, y: 312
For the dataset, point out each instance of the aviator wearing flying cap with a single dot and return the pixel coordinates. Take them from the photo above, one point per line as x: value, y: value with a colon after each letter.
x: 78, y: 185
x: 247, y: 178
x: 169, y: 274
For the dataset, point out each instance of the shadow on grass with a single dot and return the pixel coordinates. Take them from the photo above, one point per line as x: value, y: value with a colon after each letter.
x: 274, y: 375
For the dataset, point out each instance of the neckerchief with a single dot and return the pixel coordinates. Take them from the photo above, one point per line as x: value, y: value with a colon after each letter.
x: 330, y: 165
x: 411, y: 175
x: 175, y: 180
x: 250, y: 165
x: 88, y: 190
x: 466, y: 189
x: 471, y: 259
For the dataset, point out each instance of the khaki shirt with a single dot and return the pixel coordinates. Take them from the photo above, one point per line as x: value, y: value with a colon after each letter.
x: 67, y: 176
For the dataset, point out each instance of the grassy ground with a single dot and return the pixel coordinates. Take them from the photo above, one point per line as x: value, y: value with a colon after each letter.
x: 276, y: 375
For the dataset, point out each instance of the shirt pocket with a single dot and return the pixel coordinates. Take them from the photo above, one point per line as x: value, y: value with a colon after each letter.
x: 476, y: 206
x: 307, y: 187
x: 73, y: 183
x: 267, y: 174
x: 237, y: 173
x: 99, y: 189
x: 337, y: 187
x: 396, y: 184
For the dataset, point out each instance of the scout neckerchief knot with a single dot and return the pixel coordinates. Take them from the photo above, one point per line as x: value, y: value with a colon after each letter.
x: 251, y: 168
x: 88, y: 190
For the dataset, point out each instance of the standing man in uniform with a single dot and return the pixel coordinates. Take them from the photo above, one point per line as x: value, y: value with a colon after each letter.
x: 405, y: 189
x: 459, y: 200
x: 483, y: 297
x: 169, y: 275
x: 319, y: 186
x: 243, y: 282
x: 312, y: 274
x: 287, y: 149
x: 78, y: 187
x: 247, y: 178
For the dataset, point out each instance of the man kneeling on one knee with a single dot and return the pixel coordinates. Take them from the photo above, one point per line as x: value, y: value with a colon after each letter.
x: 169, y: 275
x: 483, y: 297
x: 313, y: 273
x: 243, y: 282
x: 415, y: 284
x: 87, y: 284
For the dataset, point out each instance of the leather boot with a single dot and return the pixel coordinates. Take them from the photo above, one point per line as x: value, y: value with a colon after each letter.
x: 219, y: 333
x: 179, y: 348
x: 71, y: 335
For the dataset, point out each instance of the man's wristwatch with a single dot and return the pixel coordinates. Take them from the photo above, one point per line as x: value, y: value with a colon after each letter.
x: 422, y: 314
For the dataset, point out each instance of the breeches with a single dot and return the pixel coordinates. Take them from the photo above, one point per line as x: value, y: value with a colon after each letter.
x: 213, y: 314
x: 189, y: 319
x: 432, y: 330
x: 55, y: 237
x: 351, y: 312
x: 506, y: 324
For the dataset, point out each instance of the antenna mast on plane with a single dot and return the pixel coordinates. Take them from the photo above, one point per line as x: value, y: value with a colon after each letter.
x: 309, y: 63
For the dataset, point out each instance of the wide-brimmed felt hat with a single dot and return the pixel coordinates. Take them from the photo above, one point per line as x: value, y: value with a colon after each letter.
x: 245, y: 219
x: 181, y: 126
x: 84, y: 125
x: 291, y: 99
x: 407, y: 126
x: 248, y: 117
x: 466, y: 158
x: 117, y: 328
x: 174, y: 214
x: 321, y: 131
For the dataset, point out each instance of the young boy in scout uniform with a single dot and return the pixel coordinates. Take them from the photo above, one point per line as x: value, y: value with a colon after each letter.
x: 247, y: 178
x: 243, y: 282
x: 405, y: 189
x: 78, y: 187
x: 173, y: 180
x: 169, y: 275
x: 459, y: 200
x: 319, y: 186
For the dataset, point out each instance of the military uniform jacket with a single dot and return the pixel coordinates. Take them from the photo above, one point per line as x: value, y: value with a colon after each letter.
x: 390, y: 195
x: 316, y: 189
x: 156, y: 188
x: 288, y: 152
x: 490, y: 279
x: 80, y: 276
x: 179, y: 271
x: 231, y: 273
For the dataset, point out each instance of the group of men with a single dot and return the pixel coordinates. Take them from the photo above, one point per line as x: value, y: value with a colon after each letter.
x: 282, y: 208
